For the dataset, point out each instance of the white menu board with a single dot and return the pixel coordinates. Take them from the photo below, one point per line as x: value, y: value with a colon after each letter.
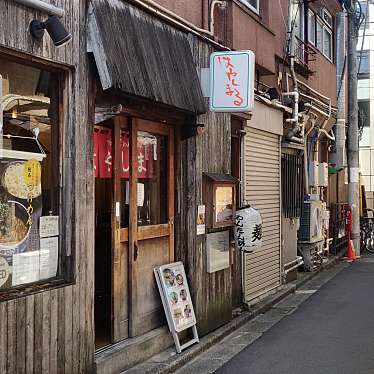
x: 176, y: 296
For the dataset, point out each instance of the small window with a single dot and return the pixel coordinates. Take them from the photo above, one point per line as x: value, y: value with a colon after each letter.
x: 323, y: 32
x: 319, y: 35
x: 327, y: 17
x: 312, y: 27
x: 327, y: 43
x: 363, y: 64
x: 253, y: 5
x: 364, y: 113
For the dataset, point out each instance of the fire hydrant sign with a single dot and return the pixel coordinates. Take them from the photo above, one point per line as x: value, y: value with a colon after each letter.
x: 232, y: 81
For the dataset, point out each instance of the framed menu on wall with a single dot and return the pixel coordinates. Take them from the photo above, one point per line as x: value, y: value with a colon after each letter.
x: 176, y: 300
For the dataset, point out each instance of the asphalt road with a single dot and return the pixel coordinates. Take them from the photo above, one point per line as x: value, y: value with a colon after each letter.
x: 331, y: 332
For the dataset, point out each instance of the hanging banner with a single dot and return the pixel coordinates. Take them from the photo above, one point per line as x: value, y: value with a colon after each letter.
x: 104, y: 140
x: 96, y: 155
x: 145, y: 160
x: 103, y: 152
x: 248, y: 230
x: 125, y: 156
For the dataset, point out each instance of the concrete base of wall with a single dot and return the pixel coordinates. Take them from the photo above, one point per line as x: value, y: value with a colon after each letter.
x: 130, y: 352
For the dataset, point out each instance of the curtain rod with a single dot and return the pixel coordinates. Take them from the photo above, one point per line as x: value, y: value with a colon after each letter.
x: 50, y: 9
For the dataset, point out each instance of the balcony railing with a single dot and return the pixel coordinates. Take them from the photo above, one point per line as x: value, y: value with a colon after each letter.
x: 305, y: 55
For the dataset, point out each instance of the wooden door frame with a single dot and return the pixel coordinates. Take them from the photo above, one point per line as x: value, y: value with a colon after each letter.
x: 135, y: 233
x: 119, y: 330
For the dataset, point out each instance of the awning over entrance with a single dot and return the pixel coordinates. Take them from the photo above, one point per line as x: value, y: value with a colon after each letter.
x: 139, y: 55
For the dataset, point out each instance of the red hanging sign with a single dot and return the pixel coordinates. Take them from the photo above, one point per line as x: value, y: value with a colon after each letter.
x: 125, y: 156
x: 104, y: 140
x: 103, y: 156
x: 96, y: 155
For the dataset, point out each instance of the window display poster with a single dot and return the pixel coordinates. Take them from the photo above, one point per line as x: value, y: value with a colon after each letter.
x: 48, y: 257
x: 48, y: 226
x: 201, y: 220
x: 25, y: 268
x: 218, y: 251
x: 176, y: 296
x: 29, y: 267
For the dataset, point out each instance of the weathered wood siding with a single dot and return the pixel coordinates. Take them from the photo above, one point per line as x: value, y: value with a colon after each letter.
x: 210, y: 152
x: 52, y: 331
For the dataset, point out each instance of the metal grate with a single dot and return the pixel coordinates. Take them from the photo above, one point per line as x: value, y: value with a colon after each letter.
x: 292, y: 185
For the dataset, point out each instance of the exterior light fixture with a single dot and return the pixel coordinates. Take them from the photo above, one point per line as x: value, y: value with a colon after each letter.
x: 56, y: 30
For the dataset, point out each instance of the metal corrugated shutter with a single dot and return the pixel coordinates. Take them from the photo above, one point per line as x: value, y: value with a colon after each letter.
x: 262, y: 191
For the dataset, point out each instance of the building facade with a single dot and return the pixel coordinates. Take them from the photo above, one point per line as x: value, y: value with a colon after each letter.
x: 109, y: 153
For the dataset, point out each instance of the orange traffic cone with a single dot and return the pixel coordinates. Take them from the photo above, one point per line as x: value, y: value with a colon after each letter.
x: 351, y: 255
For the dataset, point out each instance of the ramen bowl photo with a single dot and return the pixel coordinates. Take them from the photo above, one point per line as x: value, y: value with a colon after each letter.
x: 14, y: 230
x: 14, y: 182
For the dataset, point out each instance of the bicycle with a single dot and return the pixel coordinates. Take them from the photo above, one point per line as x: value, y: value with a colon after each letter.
x: 367, y: 231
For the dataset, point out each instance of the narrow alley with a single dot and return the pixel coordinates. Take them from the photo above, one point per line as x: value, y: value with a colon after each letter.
x: 325, y: 327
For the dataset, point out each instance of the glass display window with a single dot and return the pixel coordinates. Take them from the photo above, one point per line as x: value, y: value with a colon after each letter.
x: 29, y: 175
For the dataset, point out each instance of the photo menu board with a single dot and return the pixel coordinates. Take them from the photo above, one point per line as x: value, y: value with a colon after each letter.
x: 176, y: 298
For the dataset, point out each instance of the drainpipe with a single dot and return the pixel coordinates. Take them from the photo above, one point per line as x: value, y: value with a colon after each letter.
x: 295, y: 93
x: 222, y: 5
x: 339, y: 157
x: 42, y: 6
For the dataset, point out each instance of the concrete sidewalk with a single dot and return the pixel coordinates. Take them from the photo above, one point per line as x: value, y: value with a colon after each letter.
x: 168, y: 361
x: 324, y: 328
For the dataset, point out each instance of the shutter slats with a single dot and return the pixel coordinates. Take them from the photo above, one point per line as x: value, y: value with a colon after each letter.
x: 262, y: 191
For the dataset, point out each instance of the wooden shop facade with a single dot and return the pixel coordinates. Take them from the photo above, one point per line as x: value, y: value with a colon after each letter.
x: 107, y: 152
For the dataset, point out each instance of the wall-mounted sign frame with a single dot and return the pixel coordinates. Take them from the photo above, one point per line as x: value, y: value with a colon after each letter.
x: 232, y: 76
x: 219, y: 196
x: 176, y: 300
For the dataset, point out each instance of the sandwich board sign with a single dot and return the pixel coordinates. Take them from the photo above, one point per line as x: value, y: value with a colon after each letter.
x: 176, y: 300
x: 232, y: 78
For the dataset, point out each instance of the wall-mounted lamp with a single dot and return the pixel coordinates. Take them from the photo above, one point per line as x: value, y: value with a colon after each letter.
x: 55, y: 29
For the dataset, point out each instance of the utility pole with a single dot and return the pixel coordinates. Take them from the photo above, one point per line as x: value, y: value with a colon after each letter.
x: 353, y: 147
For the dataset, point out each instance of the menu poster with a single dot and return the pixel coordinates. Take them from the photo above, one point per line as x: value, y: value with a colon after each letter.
x: 177, y: 299
x: 25, y: 268
x: 201, y: 220
x: 48, y: 226
x: 29, y: 267
x: 48, y: 257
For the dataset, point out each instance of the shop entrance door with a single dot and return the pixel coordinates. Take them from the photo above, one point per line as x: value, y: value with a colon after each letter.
x: 142, y: 222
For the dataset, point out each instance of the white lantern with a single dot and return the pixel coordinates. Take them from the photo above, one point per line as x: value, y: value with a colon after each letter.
x: 248, y: 229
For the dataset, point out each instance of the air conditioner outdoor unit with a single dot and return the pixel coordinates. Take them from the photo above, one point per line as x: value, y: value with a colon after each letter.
x: 311, y: 222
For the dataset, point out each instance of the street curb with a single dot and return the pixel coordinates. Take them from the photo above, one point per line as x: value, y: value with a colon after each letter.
x: 178, y: 360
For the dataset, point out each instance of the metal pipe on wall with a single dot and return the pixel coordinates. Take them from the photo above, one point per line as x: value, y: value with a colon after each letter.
x: 339, y: 157
x: 50, y: 9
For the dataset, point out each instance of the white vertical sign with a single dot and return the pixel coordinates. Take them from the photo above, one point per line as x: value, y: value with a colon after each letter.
x: 232, y: 76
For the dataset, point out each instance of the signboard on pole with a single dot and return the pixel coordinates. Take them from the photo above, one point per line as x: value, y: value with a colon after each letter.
x: 176, y: 300
x: 232, y: 76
